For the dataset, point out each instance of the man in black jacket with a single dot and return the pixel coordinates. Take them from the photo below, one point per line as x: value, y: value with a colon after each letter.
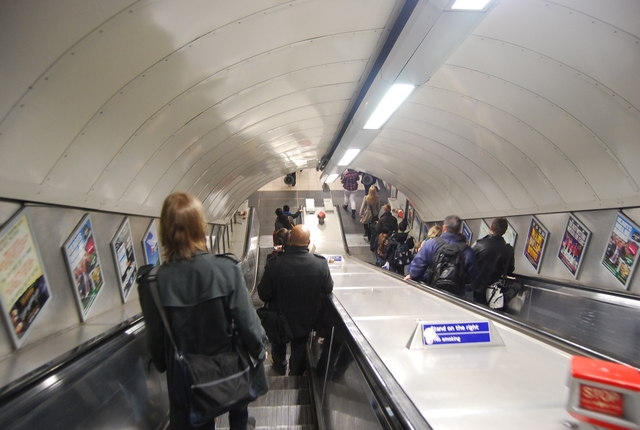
x: 296, y: 283
x: 386, y: 220
x: 494, y: 258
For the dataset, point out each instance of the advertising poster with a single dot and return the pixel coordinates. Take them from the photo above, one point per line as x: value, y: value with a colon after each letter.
x: 622, y: 249
x: 466, y: 231
x: 125, y: 258
x: 409, y: 215
x: 151, y: 245
x: 417, y: 223
x: 536, y: 240
x: 573, y: 245
x: 83, y: 263
x: 24, y: 290
x: 509, y: 236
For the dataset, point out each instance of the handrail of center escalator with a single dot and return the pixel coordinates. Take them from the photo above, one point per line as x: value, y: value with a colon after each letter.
x: 36, y: 376
x: 342, y: 233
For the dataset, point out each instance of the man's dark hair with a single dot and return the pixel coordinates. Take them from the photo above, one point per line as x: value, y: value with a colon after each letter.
x: 452, y: 223
x: 403, y: 225
x: 499, y: 226
x: 285, y: 208
x: 278, y: 211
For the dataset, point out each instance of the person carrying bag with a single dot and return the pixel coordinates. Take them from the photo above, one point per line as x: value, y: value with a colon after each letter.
x: 201, y: 327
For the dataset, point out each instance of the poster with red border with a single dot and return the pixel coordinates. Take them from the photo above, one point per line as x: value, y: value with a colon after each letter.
x: 24, y: 289
x: 621, y: 251
x: 83, y: 263
x: 573, y: 245
x: 536, y: 241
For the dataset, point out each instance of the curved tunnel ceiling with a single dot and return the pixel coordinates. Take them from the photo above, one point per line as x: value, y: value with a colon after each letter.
x: 538, y: 110
x: 113, y: 105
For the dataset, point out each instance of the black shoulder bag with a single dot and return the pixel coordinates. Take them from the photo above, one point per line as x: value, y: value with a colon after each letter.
x: 212, y: 384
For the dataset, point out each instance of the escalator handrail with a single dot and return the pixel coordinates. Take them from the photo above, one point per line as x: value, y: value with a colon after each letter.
x: 36, y: 376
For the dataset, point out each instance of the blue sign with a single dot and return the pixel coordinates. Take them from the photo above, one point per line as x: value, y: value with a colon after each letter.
x: 455, y: 333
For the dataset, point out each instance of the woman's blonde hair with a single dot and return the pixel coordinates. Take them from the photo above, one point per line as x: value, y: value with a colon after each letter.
x: 372, y: 196
x: 182, y: 226
x: 434, y: 231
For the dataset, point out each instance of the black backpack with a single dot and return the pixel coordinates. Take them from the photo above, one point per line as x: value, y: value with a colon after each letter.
x: 447, y: 269
x: 401, y: 253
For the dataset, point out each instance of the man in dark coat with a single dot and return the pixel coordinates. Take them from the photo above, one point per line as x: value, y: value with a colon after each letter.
x: 494, y: 258
x: 296, y: 283
x: 387, y: 220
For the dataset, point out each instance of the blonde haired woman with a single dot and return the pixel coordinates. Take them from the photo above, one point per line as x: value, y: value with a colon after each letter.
x: 205, y: 299
x: 369, y: 211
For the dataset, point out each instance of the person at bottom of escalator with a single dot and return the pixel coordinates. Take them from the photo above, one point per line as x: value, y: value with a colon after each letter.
x: 205, y: 299
x: 296, y: 283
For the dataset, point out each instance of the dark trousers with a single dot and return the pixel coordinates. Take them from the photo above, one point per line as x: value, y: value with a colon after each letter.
x: 480, y: 296
x: 297, y: 359
x: 399, y: 269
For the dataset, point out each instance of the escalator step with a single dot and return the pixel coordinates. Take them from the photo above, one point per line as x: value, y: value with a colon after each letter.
x: 283, y: 397
x: 281, y: 417
x: 288, y: 382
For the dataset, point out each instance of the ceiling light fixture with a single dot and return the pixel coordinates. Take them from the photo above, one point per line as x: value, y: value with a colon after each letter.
x: 469, y: 4
x: 388, y: 105
x: 331, y: 178
x: 348, y: 157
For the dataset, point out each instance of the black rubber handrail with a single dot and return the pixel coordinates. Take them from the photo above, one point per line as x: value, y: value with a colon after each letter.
x: 543, y: 282
x: 36, y: 376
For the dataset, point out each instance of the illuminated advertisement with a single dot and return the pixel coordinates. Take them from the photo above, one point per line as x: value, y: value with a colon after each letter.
x: 536, y: 240
x: 509, y: 236
x: 125, y: 258
x: 151, y: 245
x: 573, y: 245
x: 466, y: 231
x: 622, y: 249
x: 83, y: 263
x: 24, y: 289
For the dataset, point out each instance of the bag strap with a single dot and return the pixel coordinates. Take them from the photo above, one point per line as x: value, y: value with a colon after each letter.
x: 152, y: 279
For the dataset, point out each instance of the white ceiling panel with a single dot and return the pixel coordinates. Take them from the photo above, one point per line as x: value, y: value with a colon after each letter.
x: 136, y: 99
x: 532, y: 106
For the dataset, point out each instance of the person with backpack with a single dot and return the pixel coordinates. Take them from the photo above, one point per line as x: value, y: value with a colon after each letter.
x: 401, y: 249
x: 445, y: 262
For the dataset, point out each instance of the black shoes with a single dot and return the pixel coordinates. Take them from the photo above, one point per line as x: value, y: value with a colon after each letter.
x: 344, y: 207
x: 353, y: 213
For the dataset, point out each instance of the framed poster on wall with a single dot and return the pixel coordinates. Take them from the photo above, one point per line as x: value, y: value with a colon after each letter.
x: 417, y: 223
x: 466, y: 231
x: 622, y: 249
x: 125, y: 258
x: 83, y: 263
x: 151, y: 245
x: 573, y: 245
x: 24, y: 289
x: 510, y: 236
x: 536, y: 241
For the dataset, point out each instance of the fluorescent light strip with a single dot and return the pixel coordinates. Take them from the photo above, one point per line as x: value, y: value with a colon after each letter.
x: 388, y: 105
x: 332, y: 177
x: 469, y: 4
x: 348, y: 157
